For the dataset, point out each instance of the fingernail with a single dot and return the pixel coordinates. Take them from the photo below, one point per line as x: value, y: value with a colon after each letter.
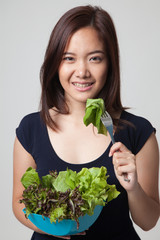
x: 110, y: 154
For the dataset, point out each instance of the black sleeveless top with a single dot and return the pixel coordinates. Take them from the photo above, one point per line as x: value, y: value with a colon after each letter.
x: 114, y: 222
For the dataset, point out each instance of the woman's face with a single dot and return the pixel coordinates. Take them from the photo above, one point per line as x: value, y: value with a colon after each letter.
x: 83, y: 70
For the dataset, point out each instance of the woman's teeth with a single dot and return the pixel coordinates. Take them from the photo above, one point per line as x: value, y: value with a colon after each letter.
x: 82, y: 85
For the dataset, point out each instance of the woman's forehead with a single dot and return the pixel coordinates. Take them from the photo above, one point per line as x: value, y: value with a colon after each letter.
x: 85, y: 39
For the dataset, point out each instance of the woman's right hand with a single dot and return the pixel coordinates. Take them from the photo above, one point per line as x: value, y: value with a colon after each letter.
x: 62, y: 237
x: 69, y: 237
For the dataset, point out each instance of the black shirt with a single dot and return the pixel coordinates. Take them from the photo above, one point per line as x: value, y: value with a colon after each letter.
x: 114, y: 222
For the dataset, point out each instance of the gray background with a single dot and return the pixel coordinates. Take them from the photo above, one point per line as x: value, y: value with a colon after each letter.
x: 25, y: 30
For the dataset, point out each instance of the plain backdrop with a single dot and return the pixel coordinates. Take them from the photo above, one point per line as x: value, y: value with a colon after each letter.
x: 25, y: 27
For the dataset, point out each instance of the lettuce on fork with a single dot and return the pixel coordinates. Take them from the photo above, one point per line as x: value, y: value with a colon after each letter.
x: 67, y: 194
x: 94, y: 109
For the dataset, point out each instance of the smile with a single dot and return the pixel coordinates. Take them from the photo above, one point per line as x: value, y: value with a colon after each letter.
x: 82, y: 85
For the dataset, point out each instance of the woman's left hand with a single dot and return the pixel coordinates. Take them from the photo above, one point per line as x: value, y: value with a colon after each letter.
x: 124, y: 165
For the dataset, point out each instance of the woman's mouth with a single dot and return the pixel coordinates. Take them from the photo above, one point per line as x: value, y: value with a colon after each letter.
x: 82, y: 87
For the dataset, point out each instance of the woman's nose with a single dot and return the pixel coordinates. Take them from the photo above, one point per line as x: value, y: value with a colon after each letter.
x: 82, y: 71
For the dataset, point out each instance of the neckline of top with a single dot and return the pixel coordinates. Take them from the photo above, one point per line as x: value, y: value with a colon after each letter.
x: 52, y: 150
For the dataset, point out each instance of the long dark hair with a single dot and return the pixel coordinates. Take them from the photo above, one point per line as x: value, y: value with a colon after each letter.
x: 69, y: 23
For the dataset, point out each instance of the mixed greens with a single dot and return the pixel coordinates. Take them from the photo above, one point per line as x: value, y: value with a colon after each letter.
x: 67, y: 194
x: 94, y: 110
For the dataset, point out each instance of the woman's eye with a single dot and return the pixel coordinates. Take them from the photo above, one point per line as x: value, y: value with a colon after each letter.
x: 95, y: 59
x: 68, y: 59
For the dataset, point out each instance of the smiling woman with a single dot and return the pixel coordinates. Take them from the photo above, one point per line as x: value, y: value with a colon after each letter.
x: 71, y: 35
x: 81, y: 62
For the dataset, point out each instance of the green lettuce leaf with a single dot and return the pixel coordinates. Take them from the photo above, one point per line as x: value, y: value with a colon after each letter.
x: 65, y: 180
x: 112, y: 192
x: 94, y: 110
x: 60, y: 184
x: 70, y: 179
x: 58, y: 213
x: 47, y: 181
x: 30, y: 177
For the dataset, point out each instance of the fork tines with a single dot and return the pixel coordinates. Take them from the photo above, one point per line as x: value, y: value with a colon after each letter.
x: 105, y: 114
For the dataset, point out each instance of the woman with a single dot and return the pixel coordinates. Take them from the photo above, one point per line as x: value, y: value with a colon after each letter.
x: 81, y: 62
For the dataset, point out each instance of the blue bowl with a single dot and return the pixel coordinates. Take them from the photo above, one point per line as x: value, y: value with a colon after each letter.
x: 66, y: 226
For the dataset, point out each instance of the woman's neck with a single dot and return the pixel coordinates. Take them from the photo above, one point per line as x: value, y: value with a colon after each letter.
x: 76, y: 110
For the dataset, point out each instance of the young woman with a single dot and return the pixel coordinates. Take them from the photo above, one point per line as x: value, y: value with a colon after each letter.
x: 81, y: 62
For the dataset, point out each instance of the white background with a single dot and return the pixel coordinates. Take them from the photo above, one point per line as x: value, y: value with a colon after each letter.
x: 25, y: 30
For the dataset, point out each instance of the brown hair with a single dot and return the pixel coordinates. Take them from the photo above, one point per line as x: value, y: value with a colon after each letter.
x: 69, y: 23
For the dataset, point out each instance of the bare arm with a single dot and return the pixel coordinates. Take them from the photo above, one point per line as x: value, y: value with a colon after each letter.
x: 142, y: 170
x: 21, y: 161
x: 144, y: 200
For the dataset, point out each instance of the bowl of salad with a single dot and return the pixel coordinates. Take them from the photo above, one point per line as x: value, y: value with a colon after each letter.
x: 67, y: 202
x: 66, y: 226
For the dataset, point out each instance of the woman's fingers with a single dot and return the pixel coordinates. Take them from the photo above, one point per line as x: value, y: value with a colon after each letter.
x: 124, y: 162
x: 123, y: 158
x: 63, y: 237
x: 125, y: 169
x: 124, y: 165
x: 118, y: 147
x: 81, y: 233
x: 69, y: 237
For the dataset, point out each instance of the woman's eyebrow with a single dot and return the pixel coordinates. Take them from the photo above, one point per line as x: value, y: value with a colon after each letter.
x: 90, y: 53
x: 96, y: 51
x: 69, y: 53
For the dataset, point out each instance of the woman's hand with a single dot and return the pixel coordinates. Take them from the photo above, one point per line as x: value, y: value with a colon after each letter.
x: 124, y: 165
x: 69, y: 237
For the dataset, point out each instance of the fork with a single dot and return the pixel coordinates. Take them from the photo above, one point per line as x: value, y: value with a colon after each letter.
x: 108, y: 123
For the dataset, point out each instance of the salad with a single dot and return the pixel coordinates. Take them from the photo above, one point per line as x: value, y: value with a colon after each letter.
x: 94, y: 110
x: 67, y: 194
